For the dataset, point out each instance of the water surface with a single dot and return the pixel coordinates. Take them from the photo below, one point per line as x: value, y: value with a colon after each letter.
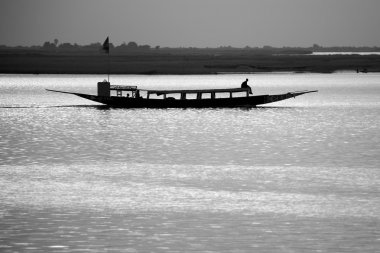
x: 301, y: 175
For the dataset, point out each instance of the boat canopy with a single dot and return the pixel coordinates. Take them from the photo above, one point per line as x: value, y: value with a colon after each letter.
x: 104, y: 89
x: 198, y: 92
x: 162, y: 92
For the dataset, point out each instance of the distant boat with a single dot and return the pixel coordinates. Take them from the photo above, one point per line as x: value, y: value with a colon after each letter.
x: 204, y: 98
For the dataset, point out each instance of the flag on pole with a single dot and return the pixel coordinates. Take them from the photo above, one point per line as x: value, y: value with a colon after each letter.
x: 106, y: 46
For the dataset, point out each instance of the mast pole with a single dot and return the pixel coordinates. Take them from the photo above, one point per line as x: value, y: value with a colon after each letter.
x: 108, y: 60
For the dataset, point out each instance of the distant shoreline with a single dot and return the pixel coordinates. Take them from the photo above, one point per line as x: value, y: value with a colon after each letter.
x: 153, y: 63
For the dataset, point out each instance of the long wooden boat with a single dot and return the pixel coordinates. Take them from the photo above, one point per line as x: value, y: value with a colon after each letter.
x: 132, y: 97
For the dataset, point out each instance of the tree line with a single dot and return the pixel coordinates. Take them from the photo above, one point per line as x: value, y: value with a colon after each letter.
x: 56, y: 47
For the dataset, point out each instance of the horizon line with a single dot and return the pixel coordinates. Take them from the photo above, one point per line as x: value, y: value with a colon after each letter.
x: 315, y: 46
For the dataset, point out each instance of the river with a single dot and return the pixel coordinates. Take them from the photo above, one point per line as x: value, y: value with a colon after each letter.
x: 300, y: 175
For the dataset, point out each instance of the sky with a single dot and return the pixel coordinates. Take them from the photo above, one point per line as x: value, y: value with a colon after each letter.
x: 192, y: 23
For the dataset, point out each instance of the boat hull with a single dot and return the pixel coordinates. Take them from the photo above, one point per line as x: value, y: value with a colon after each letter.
x: 251, y: 101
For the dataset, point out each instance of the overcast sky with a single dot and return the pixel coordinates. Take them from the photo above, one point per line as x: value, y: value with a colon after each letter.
x: 197, y: 23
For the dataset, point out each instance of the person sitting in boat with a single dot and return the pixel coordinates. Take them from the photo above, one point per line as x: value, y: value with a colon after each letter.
x: 245, y: 85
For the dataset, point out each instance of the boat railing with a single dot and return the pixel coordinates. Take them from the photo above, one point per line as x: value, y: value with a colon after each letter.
x: 123, y: 87
x: 198, y: 93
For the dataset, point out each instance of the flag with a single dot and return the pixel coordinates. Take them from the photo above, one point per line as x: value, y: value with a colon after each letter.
x: 106, y: 46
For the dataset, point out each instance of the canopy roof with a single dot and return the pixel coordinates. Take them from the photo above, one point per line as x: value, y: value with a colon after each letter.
x: 160, y: 92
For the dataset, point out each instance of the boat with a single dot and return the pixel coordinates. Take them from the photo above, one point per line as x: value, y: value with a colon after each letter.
x: 132, y: 97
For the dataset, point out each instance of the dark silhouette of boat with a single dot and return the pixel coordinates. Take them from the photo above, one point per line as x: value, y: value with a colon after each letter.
x: 140, y: 98
x: 132, y: 97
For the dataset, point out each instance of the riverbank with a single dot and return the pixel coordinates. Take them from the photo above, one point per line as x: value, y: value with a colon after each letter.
x: 145, y: 63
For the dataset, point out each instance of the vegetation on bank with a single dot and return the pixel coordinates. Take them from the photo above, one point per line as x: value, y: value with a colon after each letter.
x: 131, y: 58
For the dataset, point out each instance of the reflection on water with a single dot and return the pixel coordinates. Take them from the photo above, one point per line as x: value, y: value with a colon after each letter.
x: 263, y: 136
x: 144, y: 207
x: 300, y: 175
x: 179, y: 232
x: 125, y: 188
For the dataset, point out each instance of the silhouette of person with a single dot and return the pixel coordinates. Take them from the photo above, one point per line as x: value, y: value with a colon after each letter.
x: 245, y: 85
